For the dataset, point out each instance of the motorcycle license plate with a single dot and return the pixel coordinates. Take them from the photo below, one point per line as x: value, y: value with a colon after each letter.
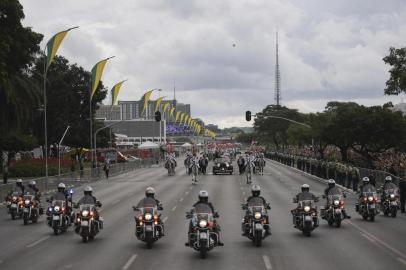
x: 308, y: 218
x: 258, y: 227
x: 203, y: 235
x: 148, y: 228
x: 394, y: 203
x: 372, y: 206
x: 55, y: 218
x: 84, y: 223
x: 25, y: 210
x: 14, y: 205
x: 338, y: 211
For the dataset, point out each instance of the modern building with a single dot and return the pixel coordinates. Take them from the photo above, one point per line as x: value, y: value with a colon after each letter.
x: 108, y: 112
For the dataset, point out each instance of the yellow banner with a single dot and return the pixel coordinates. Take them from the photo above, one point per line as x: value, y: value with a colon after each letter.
x: 146, y: 98
x: 166, y: 106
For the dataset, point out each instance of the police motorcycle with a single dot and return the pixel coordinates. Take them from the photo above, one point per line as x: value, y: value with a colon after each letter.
x: 333, y: 213
x: 88, y: 223
x: 202, y: 236
x: 58, y: 218
x: 368, y: 204
x: 15, y: 205
x: 305, y: 215
x: 31, y: 209
x: 149, y: 227
x: 256, y: 224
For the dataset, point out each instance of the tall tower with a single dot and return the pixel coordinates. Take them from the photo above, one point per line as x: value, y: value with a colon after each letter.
x: 277, y: 75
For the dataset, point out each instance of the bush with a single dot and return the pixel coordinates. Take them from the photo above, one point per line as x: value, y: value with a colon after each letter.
x: 36, y: 167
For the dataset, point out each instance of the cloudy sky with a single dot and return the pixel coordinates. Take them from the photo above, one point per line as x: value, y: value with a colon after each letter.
x: 329, y: 50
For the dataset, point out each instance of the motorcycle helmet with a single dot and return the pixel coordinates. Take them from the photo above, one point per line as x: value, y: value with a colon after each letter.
x: 365, y: 180
x: 150, y: 192
x: 255, y: 190
x: 19, y: 182
x: 331, y: 183
x: 32, y: 184
x: 203, y: 196
x: 388, y: 179
x: 88, y: 190
x: 61, y: 187
x: 305, y: 188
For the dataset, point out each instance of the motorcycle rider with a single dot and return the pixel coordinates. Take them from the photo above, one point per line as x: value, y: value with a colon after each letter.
x: 256, y: 191
x: 366, y: 186
x: 240, y: 163
x: 19, y: 187
x: 150, y: 194
x: 335, y: 190
x: 32, y: 189
x: 63, y: 195
x: 387, y: 186
x: 88, y: 198
x: 301, y: 196
x: 203, y: 198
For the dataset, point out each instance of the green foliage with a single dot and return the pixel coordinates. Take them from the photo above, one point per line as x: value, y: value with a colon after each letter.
x: 397, y: 80
x: 245, y: 138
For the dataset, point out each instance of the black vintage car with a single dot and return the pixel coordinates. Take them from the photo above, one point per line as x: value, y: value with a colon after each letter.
x: 222, y: 166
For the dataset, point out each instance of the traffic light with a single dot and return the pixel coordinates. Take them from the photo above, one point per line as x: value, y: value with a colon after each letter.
x: 157, y: 116
x: 248, y: 116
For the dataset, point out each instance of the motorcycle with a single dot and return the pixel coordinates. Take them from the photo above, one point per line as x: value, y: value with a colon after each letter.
x: 368, y: 205
x: 390, y: 203
x: 88, y: 223
x: 30, y: 210
x: 15, y: 205
x: 149, y: 228
x: 305, y: 216
x: 333, y: 213
x: 256, y: 226
x: 202, y: 238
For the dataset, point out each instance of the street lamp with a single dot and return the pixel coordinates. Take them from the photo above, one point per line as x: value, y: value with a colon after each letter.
x: 59, y: 151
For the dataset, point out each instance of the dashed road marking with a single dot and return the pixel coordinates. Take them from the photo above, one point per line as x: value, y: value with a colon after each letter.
x: 191, y: 188
x: 173, y: 209
x: 129, y: 262
x: 267, y: 262
x: 165, y: 219
x: 116, y: 202
x: 181, y: 199
x: 187, y: 192
x: 37, y: 242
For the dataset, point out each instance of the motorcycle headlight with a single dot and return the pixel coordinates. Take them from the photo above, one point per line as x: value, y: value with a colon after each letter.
x: 27, y: 201
x: 370, y: 198
x: 336, y: 202
x: 202, y: 223
x: 50, y: 209
x: 306, y: 208
x: 57, y: 208
x: 257, y: 215
x: 85, y: 213
x: 392, y: 196
x: 218, y: 164
x: 227, y: 164
x: 148, y: 216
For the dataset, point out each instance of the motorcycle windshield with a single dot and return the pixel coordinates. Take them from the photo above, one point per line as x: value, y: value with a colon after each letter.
x: 304, y: 203
x: 59, y: 203
x: 392, y: 191
x: 87, y: 207
x: 368, y: 189
x: 147, y: 203
x: 29, y: 197
x: 334, y: 191
x: 369, y: 194
x: 202, y: 208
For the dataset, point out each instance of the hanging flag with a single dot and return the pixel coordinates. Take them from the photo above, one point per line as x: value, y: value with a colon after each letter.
x: 166, y: 106
x: 97, y: 72
x: 177, y: 116
x: 158, y: 103
x: 186, y: 118
x: 53, y: 45
x: 146, y: 98
x: 114, y: 92
x: 171, y: 112
x: 190, y: 120
x: 182, y: 115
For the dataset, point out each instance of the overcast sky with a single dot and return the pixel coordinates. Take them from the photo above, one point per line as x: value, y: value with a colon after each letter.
x: 329, y: 50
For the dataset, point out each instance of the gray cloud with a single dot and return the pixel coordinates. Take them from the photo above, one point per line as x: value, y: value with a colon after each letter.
x: 329, y: 50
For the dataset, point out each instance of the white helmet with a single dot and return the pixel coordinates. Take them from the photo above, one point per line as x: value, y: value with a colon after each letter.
x: 33, y: 183
x: 388, y: 178
x: 150, y: 191
x: 19, y: 180
x: 88, y: 189
x: 305, y: 187
x: 365, y: 180
x: 61, y: 185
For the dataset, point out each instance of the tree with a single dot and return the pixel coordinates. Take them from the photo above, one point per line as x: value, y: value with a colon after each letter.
x: 68, y: 89
x: 274, y: 131
x: 397, y: 80
x: 245, y: 138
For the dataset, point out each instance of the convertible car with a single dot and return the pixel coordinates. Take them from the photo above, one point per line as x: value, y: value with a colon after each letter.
x: 222, y: 166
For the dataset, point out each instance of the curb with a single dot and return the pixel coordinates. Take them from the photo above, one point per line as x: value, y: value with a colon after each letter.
x: 316, y: 178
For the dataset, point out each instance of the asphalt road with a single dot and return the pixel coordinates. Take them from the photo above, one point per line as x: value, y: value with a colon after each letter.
x: 357, y: 244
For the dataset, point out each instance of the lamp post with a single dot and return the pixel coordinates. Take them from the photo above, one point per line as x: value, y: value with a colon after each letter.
x: 59, y: 151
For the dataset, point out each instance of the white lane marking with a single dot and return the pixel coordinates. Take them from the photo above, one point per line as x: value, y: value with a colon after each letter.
x: 267, y: 262
x: 129, y: 262
x: 116, y: 202
x: 165, y: 219
x: 369, y: 238
x: 181, y: 199
x: 173, y: 209
x: 191, y: 187
x: 187, y: 192
x: 241, y: 188
x: 402, y: 261
x: 37, y: 242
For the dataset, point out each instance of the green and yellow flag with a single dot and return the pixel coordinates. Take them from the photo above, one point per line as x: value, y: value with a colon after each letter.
x: 114, y: 92
x: 146, y: 98
x: 158, y: 103
x: 177, y: 116
x: 97, y: 72
x: 53, y: 45
x: 190, y: 120
x: 186, y: 118
x: 166, y: 106
x: 182, y: 115
x: 171, y: 112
